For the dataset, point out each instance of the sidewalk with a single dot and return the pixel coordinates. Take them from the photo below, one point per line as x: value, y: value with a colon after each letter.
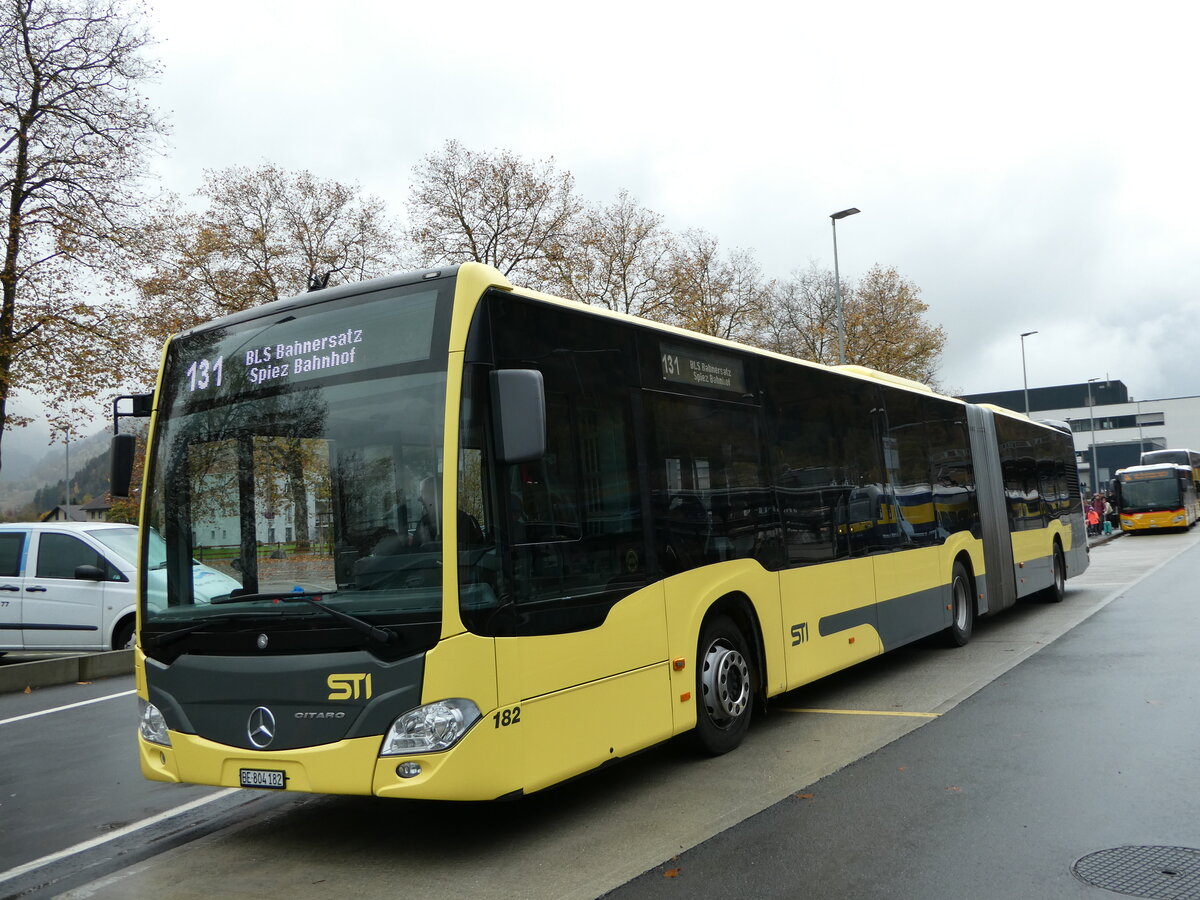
x: 1097, y: 540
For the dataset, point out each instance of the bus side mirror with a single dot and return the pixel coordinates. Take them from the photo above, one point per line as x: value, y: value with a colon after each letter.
x: 123, y: 448
x: 519, y: 414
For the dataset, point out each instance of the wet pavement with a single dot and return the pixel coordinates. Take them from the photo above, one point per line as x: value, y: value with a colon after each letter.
x: 1075, y: 774
x: 1061, y: 736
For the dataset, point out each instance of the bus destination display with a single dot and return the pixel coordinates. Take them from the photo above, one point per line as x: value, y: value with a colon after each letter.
x: 1147, y: 476
x: 702, y: 368
x: 319, y: 343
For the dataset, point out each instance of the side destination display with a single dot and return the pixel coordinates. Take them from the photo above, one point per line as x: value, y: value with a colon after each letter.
x: 702, y: 368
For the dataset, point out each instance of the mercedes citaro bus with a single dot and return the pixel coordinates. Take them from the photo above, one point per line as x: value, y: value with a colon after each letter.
x: 487, y: 539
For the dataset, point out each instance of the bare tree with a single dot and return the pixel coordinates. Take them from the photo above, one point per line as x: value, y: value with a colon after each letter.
x: 265, y: 234
x: 714, y: 293
x: 620, y: 260
x: 803, y: 316
x: 493, y: 208
x: 74, y: 136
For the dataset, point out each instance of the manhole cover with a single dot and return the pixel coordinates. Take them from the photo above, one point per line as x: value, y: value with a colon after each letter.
x: 1169, y: 873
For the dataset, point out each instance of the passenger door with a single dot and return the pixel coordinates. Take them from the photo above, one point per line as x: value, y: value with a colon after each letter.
x: 13, y: 547
x: 62, y: 611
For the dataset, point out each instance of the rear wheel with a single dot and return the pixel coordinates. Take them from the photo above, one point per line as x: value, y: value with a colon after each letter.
x: 724, y: 687
x: 1057, y: 590
x: 962, y: 608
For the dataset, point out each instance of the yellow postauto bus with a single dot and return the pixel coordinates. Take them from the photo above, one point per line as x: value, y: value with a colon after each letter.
x: 1179, y: 457
x: 1156, y: 497
x: 487, y: 539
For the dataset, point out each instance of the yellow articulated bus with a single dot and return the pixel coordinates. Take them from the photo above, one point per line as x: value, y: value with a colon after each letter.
x: 1156, y: 497
x: 487, y: 539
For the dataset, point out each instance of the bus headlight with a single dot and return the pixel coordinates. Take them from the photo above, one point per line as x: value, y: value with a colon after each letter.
x: 435, y: 726
x: 151, y: 724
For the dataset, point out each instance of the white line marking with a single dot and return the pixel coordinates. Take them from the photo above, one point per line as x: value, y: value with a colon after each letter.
x: 46, y: 712
x: 112, y: 835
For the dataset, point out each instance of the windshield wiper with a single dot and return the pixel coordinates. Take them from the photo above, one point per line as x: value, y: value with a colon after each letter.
x: 170, y: 637
x: 374, y: 632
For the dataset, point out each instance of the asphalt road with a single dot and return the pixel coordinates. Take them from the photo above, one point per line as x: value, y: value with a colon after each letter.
x: 967, y: 757
x: 1088, y: 747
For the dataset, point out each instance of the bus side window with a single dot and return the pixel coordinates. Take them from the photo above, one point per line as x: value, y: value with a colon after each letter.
x: 710, y: 496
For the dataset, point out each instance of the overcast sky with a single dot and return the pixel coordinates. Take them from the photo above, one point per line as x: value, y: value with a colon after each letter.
x: 1030, y: 166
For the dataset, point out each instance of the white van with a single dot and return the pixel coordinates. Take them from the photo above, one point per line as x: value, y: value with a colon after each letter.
x: 70, y: 585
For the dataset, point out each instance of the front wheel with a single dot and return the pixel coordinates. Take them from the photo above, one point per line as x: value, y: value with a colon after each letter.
x: 962, y: 608
x: 724, y: 687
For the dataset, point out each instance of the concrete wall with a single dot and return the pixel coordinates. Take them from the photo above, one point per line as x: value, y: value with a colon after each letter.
x: 17, y: 676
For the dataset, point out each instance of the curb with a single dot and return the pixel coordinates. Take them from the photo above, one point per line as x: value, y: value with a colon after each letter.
x: 1104, y: 539
x: 40, y: 673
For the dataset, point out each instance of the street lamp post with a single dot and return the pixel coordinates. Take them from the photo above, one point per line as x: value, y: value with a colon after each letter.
x: 837, y: 283
x: 1092, y: 416
x: 67, y: 447
x: 1024, y: 377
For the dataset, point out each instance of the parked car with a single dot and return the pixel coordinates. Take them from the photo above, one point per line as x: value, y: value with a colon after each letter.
x: 70, y: 585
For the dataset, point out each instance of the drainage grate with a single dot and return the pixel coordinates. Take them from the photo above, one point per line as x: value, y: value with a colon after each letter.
x: 1159, y: 873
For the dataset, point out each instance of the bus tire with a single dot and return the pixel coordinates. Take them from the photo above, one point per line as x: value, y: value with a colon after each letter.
x: 1058, y: 565
x: 962, y: 608
x: 123, y: 634
x: 724, y: 687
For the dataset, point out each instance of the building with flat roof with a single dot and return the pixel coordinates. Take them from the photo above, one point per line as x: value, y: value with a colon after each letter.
x: 1114, y: 429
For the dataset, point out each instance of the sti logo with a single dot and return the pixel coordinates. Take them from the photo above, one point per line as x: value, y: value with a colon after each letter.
x: 349, y: 687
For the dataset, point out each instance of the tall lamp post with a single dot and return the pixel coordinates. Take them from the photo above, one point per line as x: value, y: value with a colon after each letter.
x: 1024, y: 377
x: 1092, y: 416
x: 837, y: 283
x: 67, y: 447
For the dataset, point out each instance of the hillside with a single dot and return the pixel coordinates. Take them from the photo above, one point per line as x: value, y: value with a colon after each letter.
x: 32, y: 484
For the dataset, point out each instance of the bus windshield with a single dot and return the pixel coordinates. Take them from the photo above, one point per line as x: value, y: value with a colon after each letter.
x: 1149, y: 493
x: 301, y: 454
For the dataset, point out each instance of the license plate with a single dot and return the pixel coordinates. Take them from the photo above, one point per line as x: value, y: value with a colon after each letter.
x: 263, y: 778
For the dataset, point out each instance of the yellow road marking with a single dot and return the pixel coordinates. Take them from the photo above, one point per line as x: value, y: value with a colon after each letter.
x: 863, y: 712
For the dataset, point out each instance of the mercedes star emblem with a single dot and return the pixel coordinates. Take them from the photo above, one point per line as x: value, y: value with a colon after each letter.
x: 261, y: 727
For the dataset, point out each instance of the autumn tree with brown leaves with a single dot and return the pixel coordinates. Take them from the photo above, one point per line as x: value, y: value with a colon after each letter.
x: 524, y: 219
x: 713, y: 292
x: 263, y: 234
x: 75, y: 134
x: 620, y: 260
x: 520, y: 217
x: 884, y: 319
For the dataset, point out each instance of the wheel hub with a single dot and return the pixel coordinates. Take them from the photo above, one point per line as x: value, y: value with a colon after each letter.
x: 726, y: 683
